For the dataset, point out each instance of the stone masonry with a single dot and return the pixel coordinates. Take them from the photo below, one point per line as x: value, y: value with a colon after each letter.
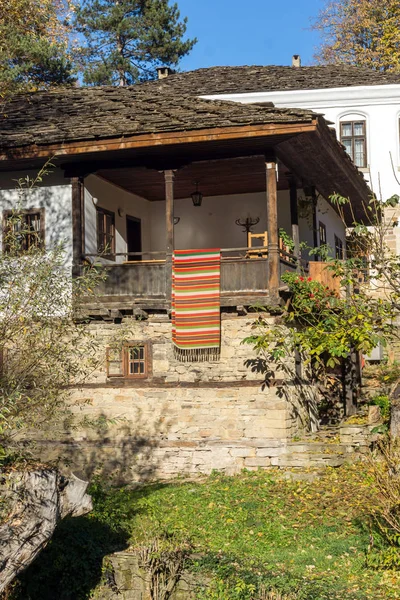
x: 186, y: 418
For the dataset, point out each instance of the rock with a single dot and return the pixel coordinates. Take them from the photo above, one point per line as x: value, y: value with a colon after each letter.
x: 39, y: 500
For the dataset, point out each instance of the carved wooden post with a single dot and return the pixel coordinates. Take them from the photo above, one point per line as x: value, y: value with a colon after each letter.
x: 294, y: 217
x: 77, y: 224
x: 272, y: 228
x: 169, y: 218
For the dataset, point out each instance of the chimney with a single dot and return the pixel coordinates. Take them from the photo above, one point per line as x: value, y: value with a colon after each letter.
x: 296, y: 60
x: 163, y: 72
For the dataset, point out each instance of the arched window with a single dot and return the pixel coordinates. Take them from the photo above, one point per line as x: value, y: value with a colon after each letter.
x: 353, y: 136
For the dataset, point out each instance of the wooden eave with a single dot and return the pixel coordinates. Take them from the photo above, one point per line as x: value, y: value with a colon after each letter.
x: 308, y: 149
x: 320, y: 160
x: 151, y: 140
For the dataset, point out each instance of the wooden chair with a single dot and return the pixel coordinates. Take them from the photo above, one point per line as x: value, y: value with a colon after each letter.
x: 253, y: 251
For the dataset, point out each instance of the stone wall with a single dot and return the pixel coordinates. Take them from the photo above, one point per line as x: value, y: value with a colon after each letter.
x: 186, y: 418
x: 231, y: 366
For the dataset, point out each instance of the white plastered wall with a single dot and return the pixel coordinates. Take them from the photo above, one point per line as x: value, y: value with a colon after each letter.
x: 121, y: 202
x: 378, y: 104
x: 212, y: 225
x: 332, y: 221
x: 53, y: 194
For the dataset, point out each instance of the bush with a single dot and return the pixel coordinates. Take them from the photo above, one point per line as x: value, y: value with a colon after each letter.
x: 384, y: 404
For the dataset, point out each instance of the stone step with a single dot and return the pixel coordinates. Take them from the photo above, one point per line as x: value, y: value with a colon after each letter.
x: 306, y: 460
x: 316, y: 447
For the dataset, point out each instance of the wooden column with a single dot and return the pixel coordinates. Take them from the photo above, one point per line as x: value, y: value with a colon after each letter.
x: 294, y: 217
x: 169, y: 223
x: 315, y: 224
x: 77, y: 224
x: 272, y: 228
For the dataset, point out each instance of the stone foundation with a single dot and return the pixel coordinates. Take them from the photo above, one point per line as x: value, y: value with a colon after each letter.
x: 185, y: 418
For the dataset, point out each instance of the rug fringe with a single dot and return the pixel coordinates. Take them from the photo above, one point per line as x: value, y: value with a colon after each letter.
x: 197, y: 354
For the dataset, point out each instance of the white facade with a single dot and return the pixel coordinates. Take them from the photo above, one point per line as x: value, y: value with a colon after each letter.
x: 379, y: 105
x: 53, y: 195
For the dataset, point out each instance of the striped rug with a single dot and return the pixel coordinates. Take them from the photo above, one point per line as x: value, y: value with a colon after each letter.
x: 196, y: 320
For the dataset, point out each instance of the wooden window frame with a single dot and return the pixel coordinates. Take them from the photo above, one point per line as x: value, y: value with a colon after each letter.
x: 110, y: 251
x: 25, y: 212
x: 353, y: 137
x: 339, y: 244
x: 322, y: 227
x: 124, y: 361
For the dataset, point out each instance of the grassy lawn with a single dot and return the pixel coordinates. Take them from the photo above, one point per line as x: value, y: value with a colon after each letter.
x: 308, y: 540
x: 257, y: 529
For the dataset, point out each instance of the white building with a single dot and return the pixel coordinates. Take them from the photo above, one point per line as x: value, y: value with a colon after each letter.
x: 363, y: 106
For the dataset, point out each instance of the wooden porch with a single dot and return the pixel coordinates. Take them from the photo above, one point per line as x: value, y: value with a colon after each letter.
x: 143, y: 283
x: 265, y: 165
x: 250, y: 275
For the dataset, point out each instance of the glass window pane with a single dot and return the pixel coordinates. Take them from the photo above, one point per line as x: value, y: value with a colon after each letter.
x: 136, y: 366
x: 349, y: 147
x: 346, y: 130
x: 359, y: 152
x: 359, y: 128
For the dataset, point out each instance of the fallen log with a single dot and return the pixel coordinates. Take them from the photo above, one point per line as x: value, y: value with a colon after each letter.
x: 39, y: 500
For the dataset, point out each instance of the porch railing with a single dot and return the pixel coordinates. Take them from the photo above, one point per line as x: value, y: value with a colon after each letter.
x: 143, y: 275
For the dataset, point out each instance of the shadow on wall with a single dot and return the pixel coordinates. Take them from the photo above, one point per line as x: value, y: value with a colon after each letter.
x: 57, y: 204
x: 301, y: 392
x: 119, y: 450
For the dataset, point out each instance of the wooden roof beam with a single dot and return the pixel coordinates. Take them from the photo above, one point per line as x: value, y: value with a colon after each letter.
x: 149, y: 140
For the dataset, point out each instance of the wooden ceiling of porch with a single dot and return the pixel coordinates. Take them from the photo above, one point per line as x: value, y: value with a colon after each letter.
x: 214, y: 178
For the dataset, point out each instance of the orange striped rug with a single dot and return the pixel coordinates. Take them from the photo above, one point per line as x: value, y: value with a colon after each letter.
x: 196, y: 315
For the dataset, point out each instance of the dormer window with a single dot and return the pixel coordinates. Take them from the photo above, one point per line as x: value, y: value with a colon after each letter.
x: 353, y: 138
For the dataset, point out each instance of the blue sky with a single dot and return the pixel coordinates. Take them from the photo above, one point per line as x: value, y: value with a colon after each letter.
x: 240, y: 32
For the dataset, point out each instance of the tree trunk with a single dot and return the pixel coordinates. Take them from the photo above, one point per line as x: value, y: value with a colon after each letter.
x: 39, y: 500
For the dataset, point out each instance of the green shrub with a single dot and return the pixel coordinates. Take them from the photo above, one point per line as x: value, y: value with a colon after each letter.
x: 384, y: 403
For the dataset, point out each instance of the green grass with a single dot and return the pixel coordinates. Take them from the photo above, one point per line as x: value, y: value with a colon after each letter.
x: 259, y: 529
x: 250, y: 532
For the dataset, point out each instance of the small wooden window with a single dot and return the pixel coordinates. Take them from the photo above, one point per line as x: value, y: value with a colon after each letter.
x: 105, y: 232
x: 26, y: 228
x: 338, y: 248
x: 322, y: 234
x: 131, y: 361
x: 353, y: 138
x: 136, y: 361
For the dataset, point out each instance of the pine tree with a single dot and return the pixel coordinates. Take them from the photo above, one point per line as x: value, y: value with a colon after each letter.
x: 34, y: 44
x: 361, y: 32
x: 127, y: 39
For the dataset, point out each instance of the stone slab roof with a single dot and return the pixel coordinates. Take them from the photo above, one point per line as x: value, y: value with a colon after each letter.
x: 226, y: 80
x: 100, y: 113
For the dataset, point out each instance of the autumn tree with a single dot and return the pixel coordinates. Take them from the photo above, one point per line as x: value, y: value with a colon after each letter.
x: 34, y: 44
x: 127, y: 40
x: 360, y: 32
